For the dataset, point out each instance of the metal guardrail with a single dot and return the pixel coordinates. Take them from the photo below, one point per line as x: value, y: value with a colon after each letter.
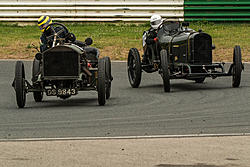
x: 217, y: 10
x: 125, y: 10
x: 90, y: 10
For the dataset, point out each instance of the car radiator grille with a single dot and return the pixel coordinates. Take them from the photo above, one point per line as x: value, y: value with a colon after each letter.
x: 61, y: 64
x: 202, y: 49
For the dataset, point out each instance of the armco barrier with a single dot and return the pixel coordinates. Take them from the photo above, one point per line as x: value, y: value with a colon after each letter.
x: 90, y: 10
x: 217, y: 10
x: 125, y: 10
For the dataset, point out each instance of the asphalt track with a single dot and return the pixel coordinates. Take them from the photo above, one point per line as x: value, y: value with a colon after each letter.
x: 213, y: 107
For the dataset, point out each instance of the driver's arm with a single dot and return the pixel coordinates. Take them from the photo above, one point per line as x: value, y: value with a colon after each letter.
x: 43, y: 43
x: 43, y: 40
x: 150, y: 37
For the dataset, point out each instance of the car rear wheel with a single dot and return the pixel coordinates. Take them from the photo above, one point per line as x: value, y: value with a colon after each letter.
x: 134, y: 68
x: 165, y: 70
x: 19, y: 84
x: 35, y: 69
x: 101, y: 84
x: 108, y: 76
x: 200, y: 80
x: 38, y: 96
x: 237, y: 66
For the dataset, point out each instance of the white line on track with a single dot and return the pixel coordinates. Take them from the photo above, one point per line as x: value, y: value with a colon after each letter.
x: 125, y: 137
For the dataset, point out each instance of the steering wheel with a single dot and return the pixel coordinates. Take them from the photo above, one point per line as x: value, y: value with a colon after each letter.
x: 169, y: 26
x: 55, y: 34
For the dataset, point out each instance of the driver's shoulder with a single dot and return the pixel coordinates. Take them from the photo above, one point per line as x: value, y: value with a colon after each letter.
x: 148, y: 32
x: 46, y: 33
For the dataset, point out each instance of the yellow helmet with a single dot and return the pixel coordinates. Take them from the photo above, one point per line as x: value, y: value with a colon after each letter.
x: 43, y: 21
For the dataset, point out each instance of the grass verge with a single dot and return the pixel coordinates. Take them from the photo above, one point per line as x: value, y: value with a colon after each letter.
x: 115, y: 40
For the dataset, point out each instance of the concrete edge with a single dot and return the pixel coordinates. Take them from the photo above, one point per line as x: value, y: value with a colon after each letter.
x: 125, y: 137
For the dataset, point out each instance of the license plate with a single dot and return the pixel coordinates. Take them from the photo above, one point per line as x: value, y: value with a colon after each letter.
x: 61, y: 92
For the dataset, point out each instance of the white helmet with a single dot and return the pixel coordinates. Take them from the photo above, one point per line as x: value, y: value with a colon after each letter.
x: 155, y: 21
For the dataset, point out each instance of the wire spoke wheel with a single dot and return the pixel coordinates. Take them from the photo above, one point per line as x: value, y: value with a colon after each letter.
x: 37, y: 95
x: 165, y: 70
x: 200, y: 80
x: 134, y: 68
x: 237, y: 67
x: 19, y: 84
x: 101, y: 83
x: 108, y: 76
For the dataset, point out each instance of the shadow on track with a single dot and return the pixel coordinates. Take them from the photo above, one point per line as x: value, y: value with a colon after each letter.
x: 58, y: 103
x: 185, y: 87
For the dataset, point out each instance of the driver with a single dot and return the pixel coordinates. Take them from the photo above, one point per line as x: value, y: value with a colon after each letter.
x: 44, y: 21
x: 149, y: 36
x: 46, y: 43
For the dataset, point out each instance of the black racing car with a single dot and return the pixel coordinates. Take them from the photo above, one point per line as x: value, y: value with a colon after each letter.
x: 179, y: 52
x: 63, y: 70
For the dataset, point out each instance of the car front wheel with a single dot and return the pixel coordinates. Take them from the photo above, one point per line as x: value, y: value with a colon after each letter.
x: 101, y: 84
x: 165, y: 70
x: 19, y: 84
x: 108, y: 76
x: 237, y: 66
x: 134, y: 68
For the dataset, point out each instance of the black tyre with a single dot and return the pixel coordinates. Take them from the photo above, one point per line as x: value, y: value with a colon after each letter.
x: 165, y: 70
x: 38, y: 96
x: 134, y: 68
x: 35, y: 68
x: 237, y: 66
x: 108, y: 76
x: 19, y: 84
x: 200, y: 80
x: 101, y: 84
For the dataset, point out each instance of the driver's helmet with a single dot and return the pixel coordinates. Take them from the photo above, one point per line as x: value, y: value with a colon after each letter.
x: 155, y: 21
x: 43, y: 21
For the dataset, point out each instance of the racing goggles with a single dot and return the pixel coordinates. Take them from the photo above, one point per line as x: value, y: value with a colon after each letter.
x: 156, y: 22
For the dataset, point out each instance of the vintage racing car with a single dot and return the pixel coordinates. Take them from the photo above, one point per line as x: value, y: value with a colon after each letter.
x: 64, y: 70
x: 181, y: 53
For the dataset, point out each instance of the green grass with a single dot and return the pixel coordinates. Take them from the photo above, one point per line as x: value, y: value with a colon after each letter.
x: 115, y: 39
